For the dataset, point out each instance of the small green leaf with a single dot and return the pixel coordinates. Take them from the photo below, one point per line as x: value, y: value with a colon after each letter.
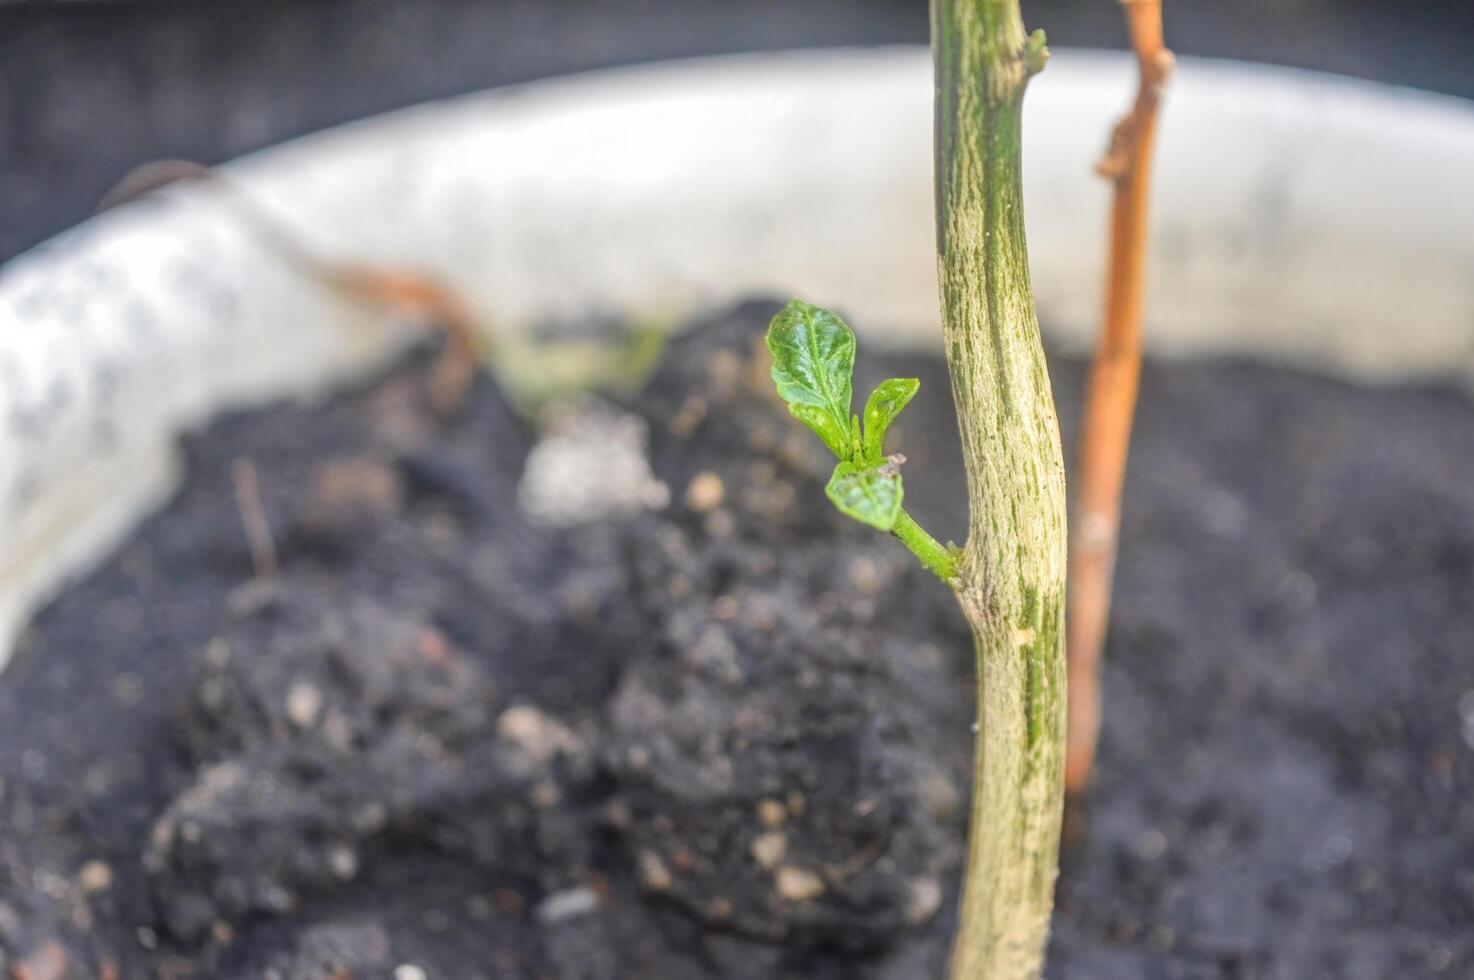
x: 881, y: 409
x: 824, y: 425
x: 869, y: 494
x: 813, y: 361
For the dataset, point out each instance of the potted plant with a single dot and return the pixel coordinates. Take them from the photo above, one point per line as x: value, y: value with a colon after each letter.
x: 723, y: 734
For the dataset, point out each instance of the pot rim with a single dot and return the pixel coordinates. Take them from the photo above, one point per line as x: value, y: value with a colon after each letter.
x: 654, y: 191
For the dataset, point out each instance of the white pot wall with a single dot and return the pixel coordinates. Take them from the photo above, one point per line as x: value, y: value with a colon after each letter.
x: 1308, y: 219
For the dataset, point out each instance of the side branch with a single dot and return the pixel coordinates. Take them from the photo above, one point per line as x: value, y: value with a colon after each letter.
x: 938, y: 559
x: 1110, y: 401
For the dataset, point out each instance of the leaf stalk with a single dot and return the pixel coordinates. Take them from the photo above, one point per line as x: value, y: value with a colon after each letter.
x: 937, y: 557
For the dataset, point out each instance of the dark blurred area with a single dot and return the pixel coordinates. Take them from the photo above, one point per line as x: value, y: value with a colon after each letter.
x: 95, y: 88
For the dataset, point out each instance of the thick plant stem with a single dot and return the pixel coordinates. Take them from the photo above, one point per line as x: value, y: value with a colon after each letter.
x: 1110, y: 400
x: 1012, y: 571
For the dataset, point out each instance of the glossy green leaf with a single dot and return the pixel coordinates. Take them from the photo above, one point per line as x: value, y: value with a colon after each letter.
x: 870, y: 494
x: 813, y: 361
x: 835, y: 436
x: 881, y: 409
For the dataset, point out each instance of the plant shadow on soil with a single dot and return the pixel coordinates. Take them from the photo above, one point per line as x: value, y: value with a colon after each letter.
x: 729, y: 737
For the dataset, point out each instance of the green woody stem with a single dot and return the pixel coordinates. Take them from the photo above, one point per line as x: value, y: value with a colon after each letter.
x: 1012, y: 571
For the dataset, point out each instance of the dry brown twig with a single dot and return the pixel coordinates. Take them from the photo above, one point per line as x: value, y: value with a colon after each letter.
x: 1110, y: 400
x: 406, y: 293
x: 253, y: 518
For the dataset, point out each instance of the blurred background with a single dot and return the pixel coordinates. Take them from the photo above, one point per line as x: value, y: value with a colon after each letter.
x: 92, y: 89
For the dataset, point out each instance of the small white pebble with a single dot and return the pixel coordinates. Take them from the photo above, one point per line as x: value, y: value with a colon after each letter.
x: 409, y: 971
x: 304, y: 703
x: 344, y: 862
x: 768, y: 849
x: 541, y: 736
x: 705, y: 492
x: 799, y: 885
x: 653, y: 872
x: 592, y: 464
x: 923, y: 899
x: 567, y: 904
x: 95, y: 877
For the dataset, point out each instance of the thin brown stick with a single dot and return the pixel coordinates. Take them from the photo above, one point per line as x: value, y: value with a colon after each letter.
x: 253, y: 518
x: 1110, y: 400
x: 408, y: 293
x: 418, y: 295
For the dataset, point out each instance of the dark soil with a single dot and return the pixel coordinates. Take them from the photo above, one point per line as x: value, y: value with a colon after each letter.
x: 729, y: 738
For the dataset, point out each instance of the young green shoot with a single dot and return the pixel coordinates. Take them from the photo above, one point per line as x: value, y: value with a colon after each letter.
x: 813, y: 367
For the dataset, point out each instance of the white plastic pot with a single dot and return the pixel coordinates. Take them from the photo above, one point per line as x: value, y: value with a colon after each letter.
x: 1307, y: 219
